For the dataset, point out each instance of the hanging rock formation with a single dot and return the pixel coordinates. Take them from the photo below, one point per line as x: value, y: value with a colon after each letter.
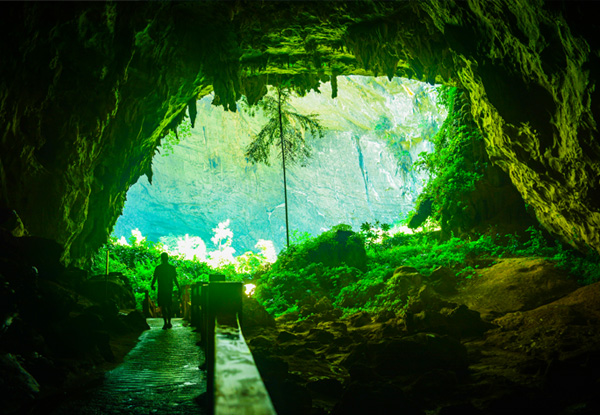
x: 87, y: 91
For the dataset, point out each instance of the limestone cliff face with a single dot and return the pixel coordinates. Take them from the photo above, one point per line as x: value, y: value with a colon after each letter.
x: 356, y: 174
x: 88, y: 90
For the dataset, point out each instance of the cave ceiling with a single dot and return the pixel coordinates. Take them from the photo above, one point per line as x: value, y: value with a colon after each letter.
x: 87, y: 91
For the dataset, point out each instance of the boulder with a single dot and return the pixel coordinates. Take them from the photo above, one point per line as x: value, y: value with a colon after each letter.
x: 514, y: 284
x: 443, y: 280
x: 325, y: 387
x: 289, y: 397
x: 11, y: 222
x: 254, y: 314
x: 428, y: 312
x: 302, y: 326
x: 561, y: 330
x: 82, y: 337
x: 44, y: 254
x: 44, y: 369
x: 260, y: 342
x: 359, y: 319
x: 115, y: 288
x: 270, y: 367
x: 55, y: 302
x: 17, y: 387
x: 285, y: 336
x: 21, y: 337
x: 405, y: 282
x: 418, y: 353
x: 135, y: 319
x: 459, y: 322
x: 320, y: 336
x: 323, y: 305
x: 8, y: 306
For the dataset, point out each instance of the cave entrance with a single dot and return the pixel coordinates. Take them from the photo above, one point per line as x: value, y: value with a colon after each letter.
x: 208, y: 200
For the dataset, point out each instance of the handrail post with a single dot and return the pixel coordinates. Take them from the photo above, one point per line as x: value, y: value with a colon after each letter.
x: 233, y: 383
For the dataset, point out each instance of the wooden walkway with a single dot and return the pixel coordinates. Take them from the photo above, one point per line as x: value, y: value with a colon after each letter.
x: 160, y: 375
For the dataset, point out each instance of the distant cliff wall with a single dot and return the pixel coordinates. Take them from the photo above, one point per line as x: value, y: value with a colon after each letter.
x: 360, y: 170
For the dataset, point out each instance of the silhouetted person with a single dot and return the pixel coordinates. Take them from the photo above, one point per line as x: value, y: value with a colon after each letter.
x: 166, y: 275
x: 148, y: 307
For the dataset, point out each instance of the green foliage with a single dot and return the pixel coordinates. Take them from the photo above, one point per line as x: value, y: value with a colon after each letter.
x: 298, y: 238
x: 284, y: 128
x: 366, y: 293
x: 424, y: 253
x: 376, y: 233
x: 295, y: 277
x: 137, y: 262
x: 453, y: 167
x: 331, y: 247
x: 282, y: 289
x: 319, y: 267
x: 322, y: 266
x: 399, y: 138
x: 383, y: 124
x: 249, y: 263
x: 174, y: 136
x: 586, y: 268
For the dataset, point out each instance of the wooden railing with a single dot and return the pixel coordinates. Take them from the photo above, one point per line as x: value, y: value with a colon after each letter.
x: 234, y: 385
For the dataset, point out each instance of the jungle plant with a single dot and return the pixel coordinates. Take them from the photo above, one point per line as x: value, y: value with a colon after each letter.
x: 375, y: 233
x: 286, y: 129
x: 175, y: 135
x: 455, y: 165
x: 138, y: 258
x: 299, y: 275
x: 299, y: 238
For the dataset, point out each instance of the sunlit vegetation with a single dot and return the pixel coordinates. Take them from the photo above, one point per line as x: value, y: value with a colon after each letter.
x: 400, y: 137
x: 138, y: 257
x: 295, y: 280
x: 353, y: 271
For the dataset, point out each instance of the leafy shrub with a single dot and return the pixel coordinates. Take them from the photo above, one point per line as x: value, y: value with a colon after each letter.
x: 138, y: 260
x: 317, y: 267
x: 334, y: 247
x: 376, y: 233
x: 282, y: 289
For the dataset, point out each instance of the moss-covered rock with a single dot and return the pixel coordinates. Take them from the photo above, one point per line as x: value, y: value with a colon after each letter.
x: 333, y: 248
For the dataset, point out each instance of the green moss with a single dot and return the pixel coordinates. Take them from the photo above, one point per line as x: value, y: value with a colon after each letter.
x: 453, y: 166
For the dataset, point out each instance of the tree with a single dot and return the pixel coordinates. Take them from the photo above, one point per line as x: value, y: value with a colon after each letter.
x: 288, y: 130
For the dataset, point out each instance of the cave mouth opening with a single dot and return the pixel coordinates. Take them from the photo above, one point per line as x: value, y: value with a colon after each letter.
x: 208, y: 200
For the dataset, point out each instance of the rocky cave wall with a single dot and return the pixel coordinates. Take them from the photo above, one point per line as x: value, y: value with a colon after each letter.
x: 88, y: 90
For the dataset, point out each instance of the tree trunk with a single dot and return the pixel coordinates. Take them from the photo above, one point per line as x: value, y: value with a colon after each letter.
x: 287, y: 225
